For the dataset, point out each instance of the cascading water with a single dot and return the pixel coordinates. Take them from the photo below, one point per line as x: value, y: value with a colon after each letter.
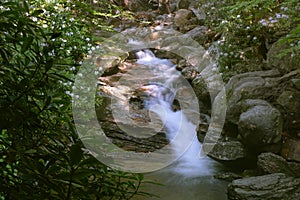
x: 191, y: 175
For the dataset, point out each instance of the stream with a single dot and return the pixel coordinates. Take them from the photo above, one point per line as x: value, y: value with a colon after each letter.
x: 191, y: 176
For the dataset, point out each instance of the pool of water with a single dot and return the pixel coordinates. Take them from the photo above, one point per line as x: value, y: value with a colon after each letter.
x: 179, y: 186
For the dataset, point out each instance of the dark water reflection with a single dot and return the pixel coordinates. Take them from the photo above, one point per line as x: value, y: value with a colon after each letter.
x: 178, y: 186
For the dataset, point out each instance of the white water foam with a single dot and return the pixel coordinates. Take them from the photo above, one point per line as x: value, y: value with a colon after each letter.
x: 190, y: 164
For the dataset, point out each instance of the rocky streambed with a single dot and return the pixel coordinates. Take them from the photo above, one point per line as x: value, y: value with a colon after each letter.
x: 260, y: 141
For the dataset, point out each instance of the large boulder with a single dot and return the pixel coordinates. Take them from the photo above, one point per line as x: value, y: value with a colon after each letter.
x: 286, y: 63
x: 199, y: 34
x: 251, y: 85
x: 271, y: 163
x: 289, y: 101
x: 268, y: 187
x: 260, y: 125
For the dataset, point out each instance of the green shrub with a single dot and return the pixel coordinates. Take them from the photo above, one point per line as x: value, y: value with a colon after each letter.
x: 248, y: 28
x: 41, y: 157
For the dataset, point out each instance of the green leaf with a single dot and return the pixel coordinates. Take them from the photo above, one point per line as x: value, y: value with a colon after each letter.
x: 37, y: 12
x: 76, y: 154
x: 26, y: 44
x: 30, y: 151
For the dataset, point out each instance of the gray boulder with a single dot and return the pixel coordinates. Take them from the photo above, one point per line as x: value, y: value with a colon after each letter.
x: 260, y: 125
x: 227, y: 150
x: 251, y: 85
x: 268, y: 187
x: 198, y: 34
x: 290, y: 102
x: 284, y: 64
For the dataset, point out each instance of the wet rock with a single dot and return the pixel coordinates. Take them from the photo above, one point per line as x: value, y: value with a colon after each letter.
x: 285, y: 63
x: 227, y: 150
x: 269, y: 187
x: 270, y: 163
x: 260, y: 125
x: 228, y: 176
x: 291, y: 149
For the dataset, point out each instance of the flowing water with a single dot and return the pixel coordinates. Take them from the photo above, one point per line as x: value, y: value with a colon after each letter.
x: 191, y: 176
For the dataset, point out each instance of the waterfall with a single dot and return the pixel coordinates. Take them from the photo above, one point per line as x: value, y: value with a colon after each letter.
x: 161, y: 95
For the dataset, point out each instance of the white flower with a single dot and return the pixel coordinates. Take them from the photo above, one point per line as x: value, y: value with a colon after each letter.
x: 34, y: 19
x: 263, y: 22
x: 274, y: 21
x: 278, y: 15
x: 238, y: 16
x: 87, y: 39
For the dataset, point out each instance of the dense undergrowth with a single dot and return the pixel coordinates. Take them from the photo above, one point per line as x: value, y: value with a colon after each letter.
x: 249, y: 28
x: 42, y: 44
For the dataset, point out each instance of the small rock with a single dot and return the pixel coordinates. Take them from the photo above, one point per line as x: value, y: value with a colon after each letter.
x: 228, y: 176
x: 184, y: 4
x: 296, y: 83
x: 230, y: 150
x: 182, y: 18
x: 189, y: 73
x: 271, y: 163
x: 291, y: 149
